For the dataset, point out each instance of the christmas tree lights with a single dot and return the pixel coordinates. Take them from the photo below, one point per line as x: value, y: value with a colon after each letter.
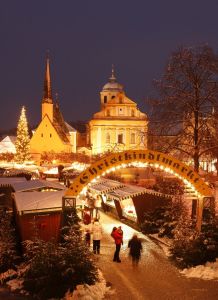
x: 23, y: 140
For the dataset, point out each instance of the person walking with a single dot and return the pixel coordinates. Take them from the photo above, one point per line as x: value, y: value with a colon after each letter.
x: 97, y: 236
x: 135, y: 246
x: 117, y: 234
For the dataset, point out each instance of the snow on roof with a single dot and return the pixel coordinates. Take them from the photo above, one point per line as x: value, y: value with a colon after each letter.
x: 106, y: 185
x: 11, y: 180
x: 70, y: 128
x: 36, y: 184
x: 8, y: 144
x: 35, y: 201
x: 20, y: 184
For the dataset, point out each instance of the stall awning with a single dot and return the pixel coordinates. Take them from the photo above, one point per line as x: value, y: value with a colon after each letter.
x: 106, y: 185
x: 132, y: 191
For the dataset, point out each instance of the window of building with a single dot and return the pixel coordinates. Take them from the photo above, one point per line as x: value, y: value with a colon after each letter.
x: 133, y: 113
x: 41, y: 134
x: 108, y: 112
x: 120, y: 111
x: 105, y: 99
x: 108, y: 138
x: 112, y: 97
x: 120, y: 138
x: 132, y: 138
x: 50, y: 135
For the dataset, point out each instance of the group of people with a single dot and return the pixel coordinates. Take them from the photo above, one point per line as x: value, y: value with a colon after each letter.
x: 134, y: 244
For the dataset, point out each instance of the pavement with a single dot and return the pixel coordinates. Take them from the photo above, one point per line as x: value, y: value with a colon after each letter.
x: 155, y: 278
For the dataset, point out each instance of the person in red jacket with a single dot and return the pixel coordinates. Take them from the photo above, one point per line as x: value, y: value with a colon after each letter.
x: 117, y: 234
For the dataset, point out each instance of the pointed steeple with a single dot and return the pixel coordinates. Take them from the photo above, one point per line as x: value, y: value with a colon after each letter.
x: 47, y: 95
x: 112, y: 78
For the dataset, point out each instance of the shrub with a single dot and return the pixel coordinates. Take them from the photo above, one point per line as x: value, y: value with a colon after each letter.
x: 190, y: 248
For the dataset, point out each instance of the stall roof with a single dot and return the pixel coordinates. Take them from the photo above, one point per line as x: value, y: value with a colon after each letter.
x: 30, y: 202
x: 132, y: 191
x: 106, y: 185
x: 11, y: 180
x: 21, y: 184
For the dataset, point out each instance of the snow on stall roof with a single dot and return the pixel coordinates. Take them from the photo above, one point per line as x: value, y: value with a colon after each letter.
x: 20, y: 184
x: 36, y: 184
x: 29, y: 202
x: 34, y: 201
x: 11, y: 180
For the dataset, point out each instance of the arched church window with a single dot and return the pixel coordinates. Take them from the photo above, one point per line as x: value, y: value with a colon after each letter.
x: 105, y: 99
x: 108, y: 138
x: 132, y: 138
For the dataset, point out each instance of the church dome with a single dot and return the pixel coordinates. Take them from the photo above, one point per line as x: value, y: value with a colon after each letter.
x: 113, y: 85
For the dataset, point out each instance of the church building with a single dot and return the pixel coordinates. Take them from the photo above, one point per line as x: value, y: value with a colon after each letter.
x: 119, y: 125
x: 53, y: 134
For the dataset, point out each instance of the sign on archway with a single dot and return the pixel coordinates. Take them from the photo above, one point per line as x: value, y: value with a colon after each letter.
x: 153, y: 158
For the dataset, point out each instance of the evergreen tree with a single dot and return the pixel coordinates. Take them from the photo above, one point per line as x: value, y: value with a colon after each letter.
x: 8, y: 252
x: 23, y: 140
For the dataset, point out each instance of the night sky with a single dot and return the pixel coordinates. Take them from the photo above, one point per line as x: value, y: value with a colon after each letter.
x: 85, y: 38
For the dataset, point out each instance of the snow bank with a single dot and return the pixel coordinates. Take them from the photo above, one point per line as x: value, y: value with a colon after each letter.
x: 208, y: 271
x: 90, y: 292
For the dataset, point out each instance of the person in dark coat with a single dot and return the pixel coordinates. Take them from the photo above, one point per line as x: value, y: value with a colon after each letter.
x: 135, y: 246
x: 117, y: 234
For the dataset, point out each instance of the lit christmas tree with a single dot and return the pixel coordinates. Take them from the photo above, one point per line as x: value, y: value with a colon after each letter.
x: 23, y: 140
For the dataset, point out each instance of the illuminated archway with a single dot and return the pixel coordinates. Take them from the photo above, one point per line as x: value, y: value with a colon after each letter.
x: 151, y: 158
x: 148, y: 158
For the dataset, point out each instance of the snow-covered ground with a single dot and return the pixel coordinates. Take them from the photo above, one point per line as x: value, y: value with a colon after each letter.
x: 208, y: 271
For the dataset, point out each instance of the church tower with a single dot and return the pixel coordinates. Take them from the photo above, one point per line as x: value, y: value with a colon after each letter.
x: 47, y: 102
x: 110, y: 90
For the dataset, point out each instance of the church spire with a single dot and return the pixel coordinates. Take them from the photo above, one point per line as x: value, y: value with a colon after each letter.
x: 47, y: 95
x: 112, y: 78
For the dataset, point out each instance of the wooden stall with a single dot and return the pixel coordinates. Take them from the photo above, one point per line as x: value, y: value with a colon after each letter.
x: 38, y: 214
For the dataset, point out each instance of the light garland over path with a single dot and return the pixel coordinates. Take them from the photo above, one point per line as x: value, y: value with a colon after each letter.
x: 140, y: 158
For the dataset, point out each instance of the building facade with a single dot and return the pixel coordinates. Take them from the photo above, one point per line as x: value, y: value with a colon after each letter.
x: 119, y: 125
x: 53, y: 134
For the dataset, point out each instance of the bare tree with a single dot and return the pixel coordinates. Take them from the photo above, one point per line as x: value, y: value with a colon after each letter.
x: 184, y: 113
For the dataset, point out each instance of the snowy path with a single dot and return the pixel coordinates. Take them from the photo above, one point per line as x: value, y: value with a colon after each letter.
x: 154, y: 278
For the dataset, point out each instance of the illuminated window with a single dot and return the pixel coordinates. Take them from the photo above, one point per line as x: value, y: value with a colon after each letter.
x: 120, y: 138
x: 108, y: 138
x: 105, y: 99
x: 132, y: 138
